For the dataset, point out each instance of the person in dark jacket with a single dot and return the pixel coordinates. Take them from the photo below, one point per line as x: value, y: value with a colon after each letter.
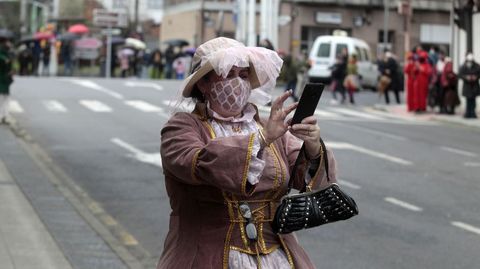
x: 449, y: 82
x: 470, y: 73
x: 169, y: 58
x: 339, y: 72
x: 6, y: 79
x: 390, y: 69
x: 290, y: 71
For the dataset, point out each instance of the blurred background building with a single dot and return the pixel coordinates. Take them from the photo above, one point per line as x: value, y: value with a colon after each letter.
x: 291, y: 25
x: 299, y: 22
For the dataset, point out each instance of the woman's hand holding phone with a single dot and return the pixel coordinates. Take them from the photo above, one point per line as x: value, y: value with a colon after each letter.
x: 276, y: 125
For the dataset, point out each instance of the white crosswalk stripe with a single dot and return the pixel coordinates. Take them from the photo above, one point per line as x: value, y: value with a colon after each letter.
x: 95, y: 106
x: 15, y: 107
x: 143, y: 106
x: 55, y: 106
x: 355, y: 113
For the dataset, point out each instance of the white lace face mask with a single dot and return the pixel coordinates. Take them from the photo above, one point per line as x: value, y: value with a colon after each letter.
x: 229, y: 97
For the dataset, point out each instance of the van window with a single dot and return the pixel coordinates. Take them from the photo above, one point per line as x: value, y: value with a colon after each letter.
x: 339, y: 49
x: 359, y: 54
x: 324, y: 50
x: 367, y: 54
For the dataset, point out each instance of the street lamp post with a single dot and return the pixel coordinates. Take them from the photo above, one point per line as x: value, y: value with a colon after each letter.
x: 385, y: 24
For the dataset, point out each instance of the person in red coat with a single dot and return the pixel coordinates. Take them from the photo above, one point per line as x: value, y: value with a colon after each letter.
x: 423, y: 71
x: 409, y: 71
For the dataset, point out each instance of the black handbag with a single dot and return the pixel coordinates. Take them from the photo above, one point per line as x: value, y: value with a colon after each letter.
x: 312, y: 208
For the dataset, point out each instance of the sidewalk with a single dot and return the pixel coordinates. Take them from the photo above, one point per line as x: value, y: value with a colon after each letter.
x: 401, y: 111
x: 24, y: 239
x: 39, y: 226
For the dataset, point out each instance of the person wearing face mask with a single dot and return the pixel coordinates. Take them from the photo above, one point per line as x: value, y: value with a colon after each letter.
x: 470, y: 74
x: 422, y: 73
x: 226, y: 169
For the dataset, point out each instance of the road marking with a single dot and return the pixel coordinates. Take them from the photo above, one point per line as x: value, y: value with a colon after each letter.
x: 403, y: 204
x: 356, y: 113
x: 141, y: 156
x: 349, y: 184
x: 144, y: 85
x: 460, y: 152
x: 95, y: 106
x: 94, y: 86
x: 55, y: 106
x: 470, y: 164
x: 341, y: 145
x: 164, y: 115
x: 95, y: 208
x: 182, y: 106
x: 128, y: 239
x: 466, y: 227
x: 326, y: 114
x: 15, y: 107
x: 383, y: 134
x: 143, y: 106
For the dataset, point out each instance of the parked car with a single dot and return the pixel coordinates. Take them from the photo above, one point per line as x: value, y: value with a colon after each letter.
x: 326, y: 48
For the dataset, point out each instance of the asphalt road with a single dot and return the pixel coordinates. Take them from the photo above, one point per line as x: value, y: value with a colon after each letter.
x: 416, y: 182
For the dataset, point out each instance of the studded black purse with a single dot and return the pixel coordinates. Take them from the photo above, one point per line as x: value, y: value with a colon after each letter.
x: 313, y: 208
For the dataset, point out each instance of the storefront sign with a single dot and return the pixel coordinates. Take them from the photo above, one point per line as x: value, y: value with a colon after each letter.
x: 328, y: 17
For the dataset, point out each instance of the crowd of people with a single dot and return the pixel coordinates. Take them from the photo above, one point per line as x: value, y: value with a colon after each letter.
x: 428, y: 78
x: 432, y: 82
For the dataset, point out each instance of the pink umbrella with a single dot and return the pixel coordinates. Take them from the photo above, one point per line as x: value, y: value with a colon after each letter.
x: 78, y: 29
x: 43, y: 35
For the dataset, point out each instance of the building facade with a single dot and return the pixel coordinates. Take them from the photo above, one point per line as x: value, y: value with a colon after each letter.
x: 300, y: 22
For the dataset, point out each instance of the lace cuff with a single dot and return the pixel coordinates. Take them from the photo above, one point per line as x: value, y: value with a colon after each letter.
x: 256, y: 164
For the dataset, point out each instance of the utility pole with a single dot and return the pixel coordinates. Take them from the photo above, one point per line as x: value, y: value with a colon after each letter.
x: 136, y: 16
x: 23, y: 17
x: 469, y: 24
x: 407, y: 9
x: 252, y: 37
x: 385, y: 23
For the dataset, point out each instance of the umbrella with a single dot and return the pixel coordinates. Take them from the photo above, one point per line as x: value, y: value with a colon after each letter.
x: 190, y: 51
x: 135, y: 43
x: 68, y: 37
x: 78, y: 29
x: 116, y: 40
x: 7, y: 34
x: 127, y: 51
x: 43, y: 35
x: 27, y: 39
x: 176, y: 42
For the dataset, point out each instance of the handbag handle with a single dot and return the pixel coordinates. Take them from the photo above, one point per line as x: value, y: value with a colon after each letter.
x: 297, y: 162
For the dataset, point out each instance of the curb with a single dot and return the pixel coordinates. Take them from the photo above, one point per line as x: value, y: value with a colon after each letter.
x: 453, y: 120
x: 122, y: 243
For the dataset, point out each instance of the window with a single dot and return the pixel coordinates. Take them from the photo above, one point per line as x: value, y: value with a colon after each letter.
x: 155, y: 4
x: 339, y: 49
x: 366, y: 54
x: 119, y: 4
x: 359, y: 54
x: 324, y: 50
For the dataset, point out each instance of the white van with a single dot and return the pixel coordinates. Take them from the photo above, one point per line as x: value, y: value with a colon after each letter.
x: 326, y: 48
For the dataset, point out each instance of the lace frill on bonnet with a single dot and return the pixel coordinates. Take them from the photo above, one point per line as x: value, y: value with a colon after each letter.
x: 267, y: 65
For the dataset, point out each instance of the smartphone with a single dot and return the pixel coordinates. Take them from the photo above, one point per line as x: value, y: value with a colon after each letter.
x: 308, y: 101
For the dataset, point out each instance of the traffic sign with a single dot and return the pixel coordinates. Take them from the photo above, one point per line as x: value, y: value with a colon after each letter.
x: 112, y: 31
x: 110, y: 18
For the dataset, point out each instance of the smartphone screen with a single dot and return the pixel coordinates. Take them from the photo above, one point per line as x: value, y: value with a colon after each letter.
x: 308, y: 101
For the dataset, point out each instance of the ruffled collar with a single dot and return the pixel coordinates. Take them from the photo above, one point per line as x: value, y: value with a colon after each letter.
x: 248, y: 114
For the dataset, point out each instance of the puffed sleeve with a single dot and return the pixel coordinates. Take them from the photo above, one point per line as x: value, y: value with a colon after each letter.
x: 221, y: 162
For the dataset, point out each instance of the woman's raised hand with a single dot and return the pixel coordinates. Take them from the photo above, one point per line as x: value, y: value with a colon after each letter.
x: 308, y: 131
x: 276, y: 125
